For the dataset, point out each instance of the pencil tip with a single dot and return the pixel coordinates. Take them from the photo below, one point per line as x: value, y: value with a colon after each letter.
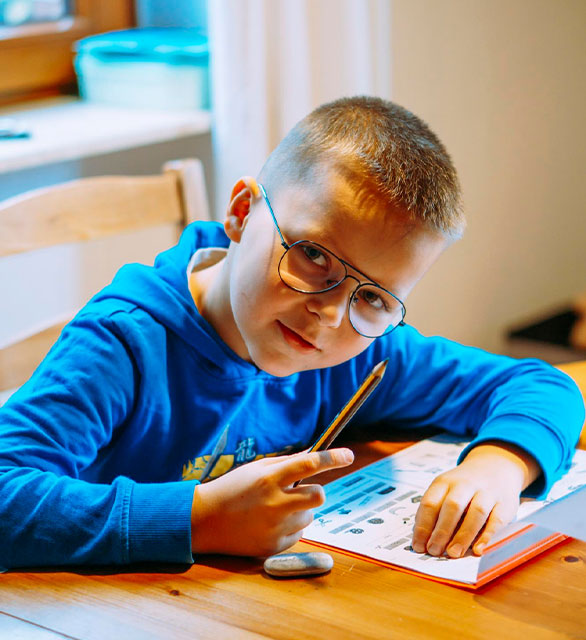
x: 380, y: 367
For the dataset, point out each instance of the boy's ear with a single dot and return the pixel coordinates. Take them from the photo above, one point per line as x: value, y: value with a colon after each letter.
x: 243, y: 193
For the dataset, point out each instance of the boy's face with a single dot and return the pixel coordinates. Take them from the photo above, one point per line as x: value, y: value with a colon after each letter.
x: 281, y: 330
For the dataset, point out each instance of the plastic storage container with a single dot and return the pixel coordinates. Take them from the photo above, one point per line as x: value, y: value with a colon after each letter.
x: 157, y: 68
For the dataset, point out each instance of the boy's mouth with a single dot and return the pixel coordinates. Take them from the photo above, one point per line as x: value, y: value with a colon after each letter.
x: 296, y: 340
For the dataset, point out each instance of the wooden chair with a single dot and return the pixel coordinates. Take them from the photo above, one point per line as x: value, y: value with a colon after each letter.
x: 88, y: 209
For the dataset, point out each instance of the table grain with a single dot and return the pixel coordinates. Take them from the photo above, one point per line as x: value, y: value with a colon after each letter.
x: 227, y: 597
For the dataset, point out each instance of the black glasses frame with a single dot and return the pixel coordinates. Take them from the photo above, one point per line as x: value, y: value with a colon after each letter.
x: 346, y: 265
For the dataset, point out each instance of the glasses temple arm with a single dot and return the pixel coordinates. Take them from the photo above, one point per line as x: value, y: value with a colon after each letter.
x: 266, y: 199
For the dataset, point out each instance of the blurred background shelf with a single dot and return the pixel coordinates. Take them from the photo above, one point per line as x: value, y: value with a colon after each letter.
x: 67, y: 128
x: 71, y: 139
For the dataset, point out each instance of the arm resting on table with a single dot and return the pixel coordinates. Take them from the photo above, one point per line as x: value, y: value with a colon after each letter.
x: 577, y: 371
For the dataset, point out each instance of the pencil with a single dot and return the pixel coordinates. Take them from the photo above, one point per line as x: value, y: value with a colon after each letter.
x: 351, y: 407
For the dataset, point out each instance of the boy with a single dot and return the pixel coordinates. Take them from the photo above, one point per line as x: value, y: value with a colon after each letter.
x: 245, y: 341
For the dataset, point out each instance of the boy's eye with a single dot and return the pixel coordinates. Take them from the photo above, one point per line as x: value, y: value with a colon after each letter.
x: 372, y: 299
x: 315, y: 255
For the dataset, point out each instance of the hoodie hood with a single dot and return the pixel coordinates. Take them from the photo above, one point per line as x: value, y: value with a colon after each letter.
x: 162, y: 291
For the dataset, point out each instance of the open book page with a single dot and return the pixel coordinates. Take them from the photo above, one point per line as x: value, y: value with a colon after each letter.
x: 371, y: 511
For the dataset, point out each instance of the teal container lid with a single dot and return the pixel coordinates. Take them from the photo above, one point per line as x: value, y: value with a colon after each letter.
x: 154, y: 44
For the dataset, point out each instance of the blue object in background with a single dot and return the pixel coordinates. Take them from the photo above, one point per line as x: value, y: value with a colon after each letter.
x: 177, y: 13
x: 161, y: 68
x: 17, y: 12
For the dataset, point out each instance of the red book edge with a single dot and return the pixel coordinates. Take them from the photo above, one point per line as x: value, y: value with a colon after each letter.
x: 484, y: 578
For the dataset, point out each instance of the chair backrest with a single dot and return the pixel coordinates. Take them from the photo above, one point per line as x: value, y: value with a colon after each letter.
x: 89, y: 209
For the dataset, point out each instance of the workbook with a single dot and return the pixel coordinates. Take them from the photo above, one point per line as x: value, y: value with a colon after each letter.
x: 370, y: 513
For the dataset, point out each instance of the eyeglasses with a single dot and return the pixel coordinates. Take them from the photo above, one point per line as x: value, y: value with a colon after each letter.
x: 307, y: 267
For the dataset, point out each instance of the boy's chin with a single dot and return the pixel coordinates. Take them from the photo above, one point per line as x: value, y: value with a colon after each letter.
x: 281, y: 367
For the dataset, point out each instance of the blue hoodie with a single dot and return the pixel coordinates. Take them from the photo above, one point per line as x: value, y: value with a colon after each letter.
x: 101, y: 449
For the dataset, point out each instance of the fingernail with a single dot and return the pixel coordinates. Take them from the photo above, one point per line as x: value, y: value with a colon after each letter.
x: 455, y: 551
x: 479, y: 548
x: 433, y: 549
x: 418, y: 547
x: 346, y: 456
x: 349, y: 455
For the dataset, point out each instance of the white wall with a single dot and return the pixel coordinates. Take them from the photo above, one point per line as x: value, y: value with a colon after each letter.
x: 502, y: 83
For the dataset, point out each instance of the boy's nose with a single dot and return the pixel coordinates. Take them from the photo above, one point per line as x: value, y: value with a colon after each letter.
x: 331, y: 306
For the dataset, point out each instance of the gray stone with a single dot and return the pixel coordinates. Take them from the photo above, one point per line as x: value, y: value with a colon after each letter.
x: 286, y: 565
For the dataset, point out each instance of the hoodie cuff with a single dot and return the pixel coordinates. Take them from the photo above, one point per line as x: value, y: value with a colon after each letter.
x: 159, y: 522
x: 533, y: 438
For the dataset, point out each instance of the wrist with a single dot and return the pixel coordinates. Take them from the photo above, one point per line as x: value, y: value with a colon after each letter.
x: 499, y: 453
x: 202, y: 529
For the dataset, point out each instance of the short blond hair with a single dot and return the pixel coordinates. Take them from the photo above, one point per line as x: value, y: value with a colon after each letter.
x: 394, y: 151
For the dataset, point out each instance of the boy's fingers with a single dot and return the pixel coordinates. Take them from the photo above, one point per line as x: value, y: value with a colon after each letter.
x: 476, y: 517
x: 497, y: 519
x: 292, y: 530
x: 453, y: 507
x: 305, y: 496
x: 427, y: 515
x: 286, y: 542
x: 297, y: 522
x: 304, y: 465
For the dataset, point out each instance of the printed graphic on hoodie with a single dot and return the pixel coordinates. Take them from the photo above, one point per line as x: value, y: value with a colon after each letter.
x: 245, y: 452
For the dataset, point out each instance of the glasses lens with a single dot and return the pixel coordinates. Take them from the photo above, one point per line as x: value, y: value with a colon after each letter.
x: 310, y: 268
x: 374, y: 312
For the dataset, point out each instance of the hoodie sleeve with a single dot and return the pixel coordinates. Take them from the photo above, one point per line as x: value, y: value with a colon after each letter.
x: 469, y: 392
x: 53, y: 428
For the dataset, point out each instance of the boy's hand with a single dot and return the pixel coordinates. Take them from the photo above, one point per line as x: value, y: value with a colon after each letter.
x: 254, y: 510
x: 465, y: 506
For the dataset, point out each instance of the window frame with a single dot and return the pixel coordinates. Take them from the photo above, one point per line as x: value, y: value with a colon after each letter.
x: 37, y: 59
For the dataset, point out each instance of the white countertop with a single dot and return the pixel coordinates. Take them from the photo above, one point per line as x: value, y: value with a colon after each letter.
x: 67, y: 128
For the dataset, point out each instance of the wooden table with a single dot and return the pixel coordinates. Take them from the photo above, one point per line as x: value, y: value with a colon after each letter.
x: 225, y: 598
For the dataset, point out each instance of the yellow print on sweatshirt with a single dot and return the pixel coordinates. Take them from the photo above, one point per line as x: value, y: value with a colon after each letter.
x: 193, y: 469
